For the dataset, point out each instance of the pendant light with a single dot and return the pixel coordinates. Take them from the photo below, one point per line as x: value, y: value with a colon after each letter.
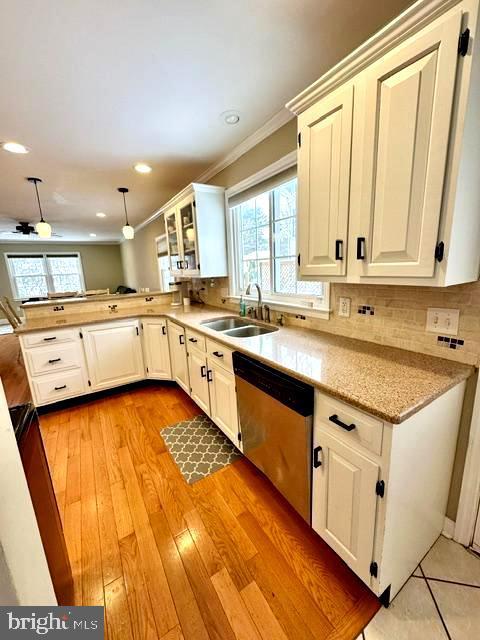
x: 43, y: 229
x: 127, y: 230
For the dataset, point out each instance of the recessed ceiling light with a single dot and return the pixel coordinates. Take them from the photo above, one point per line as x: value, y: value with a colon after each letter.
x: 101, y: 215
x: 93, y: 235
x: 230, y: 117
x: 141, y: 167
x: 14, y: 147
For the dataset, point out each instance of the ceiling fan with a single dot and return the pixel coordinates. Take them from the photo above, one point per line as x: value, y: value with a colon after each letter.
x: 26, y: 229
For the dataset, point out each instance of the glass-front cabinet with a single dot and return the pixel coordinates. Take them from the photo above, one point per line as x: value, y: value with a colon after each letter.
x: 195, y: 226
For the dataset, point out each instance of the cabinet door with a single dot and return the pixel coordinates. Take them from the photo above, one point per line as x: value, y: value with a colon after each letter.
x: 223, y: 400
x: 197, y: 369
x: 344, y: 502
x: 406, y: 111
x: 156, y: 349
x: 173, y: 240
x: 186, y: 218
x: 178, y: 355
x: 324, y: 184
x: 114, y: 353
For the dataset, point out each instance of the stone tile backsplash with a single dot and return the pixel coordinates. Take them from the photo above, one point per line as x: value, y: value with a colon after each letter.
x: 399, y: 318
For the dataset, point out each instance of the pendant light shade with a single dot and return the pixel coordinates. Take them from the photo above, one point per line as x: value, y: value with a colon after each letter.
x: 43, y: 229
x: 127, y: 230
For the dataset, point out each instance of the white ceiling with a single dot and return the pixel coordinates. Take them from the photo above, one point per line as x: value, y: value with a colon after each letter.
x: 94, y: 86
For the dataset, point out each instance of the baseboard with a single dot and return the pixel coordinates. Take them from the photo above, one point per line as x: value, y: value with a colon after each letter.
x: 448, y: 528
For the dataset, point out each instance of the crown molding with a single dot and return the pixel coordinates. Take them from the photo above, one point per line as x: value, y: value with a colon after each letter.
x: 273, y: 124
x: 403, y: 26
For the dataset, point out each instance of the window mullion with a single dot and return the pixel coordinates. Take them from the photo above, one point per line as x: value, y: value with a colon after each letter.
x: 48, y: 275
x: 271, y: 212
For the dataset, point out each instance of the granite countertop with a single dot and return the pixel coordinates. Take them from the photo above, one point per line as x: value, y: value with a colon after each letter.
x: 387, y: 382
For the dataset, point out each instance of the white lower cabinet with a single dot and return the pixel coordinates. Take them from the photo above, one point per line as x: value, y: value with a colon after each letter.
x: 380, y: 490
x: 156, y: 350
x: 344, y: 500
x: 178, y: 355
x: 223, y: 400
x: 54, y: 387
x: 197, y: 368
x: 212, y: 383
x: 114, y: 353
x: 55, y: 365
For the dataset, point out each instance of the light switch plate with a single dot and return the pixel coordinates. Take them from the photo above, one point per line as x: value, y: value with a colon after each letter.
x: 443, y: 321
x: 344, y: 305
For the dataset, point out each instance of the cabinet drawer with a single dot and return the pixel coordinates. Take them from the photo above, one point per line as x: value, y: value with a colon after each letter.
x: 332, y: 414
x: 220, y: 354
x: 196, y: 340
x: 49, y: 337
x: 54, y: 357
x: 58, y: 386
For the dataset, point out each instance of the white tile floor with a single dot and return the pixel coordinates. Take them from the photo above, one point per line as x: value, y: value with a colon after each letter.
x: 441, y: 601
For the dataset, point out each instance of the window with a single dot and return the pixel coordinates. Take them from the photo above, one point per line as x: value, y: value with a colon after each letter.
x: 264, y: 232
x: 35, y: 275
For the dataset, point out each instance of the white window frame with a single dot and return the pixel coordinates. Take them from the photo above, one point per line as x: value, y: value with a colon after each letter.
x: 307, y: 305
x: 48, y: 275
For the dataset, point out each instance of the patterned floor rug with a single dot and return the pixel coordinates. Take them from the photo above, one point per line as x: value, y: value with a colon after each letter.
x: 198, y: 447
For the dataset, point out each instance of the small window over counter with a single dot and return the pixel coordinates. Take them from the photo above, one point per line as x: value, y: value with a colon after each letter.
x: 264, y: 237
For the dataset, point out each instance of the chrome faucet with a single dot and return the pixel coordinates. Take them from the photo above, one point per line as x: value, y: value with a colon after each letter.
x: 259, y: 303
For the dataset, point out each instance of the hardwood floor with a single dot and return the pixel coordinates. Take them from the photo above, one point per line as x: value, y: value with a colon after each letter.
x: 12, y: 371
x: 224, y: 558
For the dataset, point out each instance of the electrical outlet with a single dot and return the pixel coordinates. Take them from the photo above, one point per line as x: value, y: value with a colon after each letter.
x: 443, y: 321
x: 344, y: 305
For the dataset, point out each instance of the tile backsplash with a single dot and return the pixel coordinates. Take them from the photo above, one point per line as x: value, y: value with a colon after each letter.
x: 399, y: 318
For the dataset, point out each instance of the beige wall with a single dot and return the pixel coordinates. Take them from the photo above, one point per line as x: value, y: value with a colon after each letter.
x: 140, y: 256
x: 102, y: 263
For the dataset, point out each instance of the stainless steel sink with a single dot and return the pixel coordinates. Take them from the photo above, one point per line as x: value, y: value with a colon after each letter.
x: 223, y: 324
x: 249, y: 331
x: 238, y: 327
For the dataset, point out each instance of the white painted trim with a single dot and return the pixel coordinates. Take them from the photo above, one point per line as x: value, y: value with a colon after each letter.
x: 470, y: 491
x: 403, y: 26
x: 448, y: 528
x: 284, y: 163
x: 273, y: 124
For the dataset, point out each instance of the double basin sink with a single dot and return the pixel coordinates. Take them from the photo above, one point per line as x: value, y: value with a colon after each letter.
x: 238, y: 327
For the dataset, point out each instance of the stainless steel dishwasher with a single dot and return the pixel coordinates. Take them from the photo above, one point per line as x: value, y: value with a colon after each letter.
x: 275, y: 412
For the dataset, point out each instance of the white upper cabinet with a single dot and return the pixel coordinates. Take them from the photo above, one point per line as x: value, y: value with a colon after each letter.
x: 406, y: 113
x: 324, y: 184
x: 195, y: 223
x: 388, y: 156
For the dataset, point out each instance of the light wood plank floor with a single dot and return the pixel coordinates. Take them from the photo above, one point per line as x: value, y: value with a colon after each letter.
x: 225, y: 558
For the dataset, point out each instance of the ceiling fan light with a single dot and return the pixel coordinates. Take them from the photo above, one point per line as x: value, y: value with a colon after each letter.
x: 128, y: 232
x: 43, y: 229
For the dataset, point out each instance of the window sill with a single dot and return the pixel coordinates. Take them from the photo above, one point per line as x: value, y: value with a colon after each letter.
x: 323, y: 313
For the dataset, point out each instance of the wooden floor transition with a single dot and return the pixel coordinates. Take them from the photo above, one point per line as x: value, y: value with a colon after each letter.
x: 225, y: 558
